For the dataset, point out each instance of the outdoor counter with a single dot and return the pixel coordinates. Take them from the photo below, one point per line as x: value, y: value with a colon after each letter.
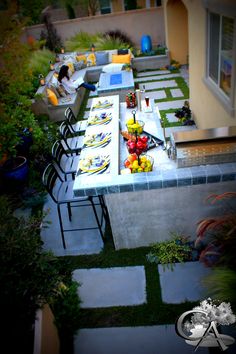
x: 146, y: 207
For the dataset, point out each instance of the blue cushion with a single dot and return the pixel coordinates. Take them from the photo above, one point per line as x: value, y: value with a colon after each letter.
x: 102, y: 58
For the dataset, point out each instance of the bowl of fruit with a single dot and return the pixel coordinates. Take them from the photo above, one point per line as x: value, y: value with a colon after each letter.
x: 135, y: 126
x: 137, y: 145
x: 138, y: 164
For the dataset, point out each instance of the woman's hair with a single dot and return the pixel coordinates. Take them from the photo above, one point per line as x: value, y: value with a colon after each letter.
x: 63, y: 73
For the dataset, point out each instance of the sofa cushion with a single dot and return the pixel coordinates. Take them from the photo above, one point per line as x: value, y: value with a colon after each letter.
x: 91, y: 59
x: 102, y: 58
x: 78, y: 65
x: 121, y: 58
x: 82, y: 58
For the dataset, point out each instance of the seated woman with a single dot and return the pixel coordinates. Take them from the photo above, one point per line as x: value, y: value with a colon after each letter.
x: 72, y: 85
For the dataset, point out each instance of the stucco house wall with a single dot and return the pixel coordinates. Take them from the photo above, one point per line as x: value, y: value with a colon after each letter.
x: 135, y: 23
x: 207, y: 109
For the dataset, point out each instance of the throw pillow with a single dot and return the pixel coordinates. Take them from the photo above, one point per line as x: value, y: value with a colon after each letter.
x: 52, y: 97
x: 91, y: 59
x: 82, y: 57
x: 102, y: 58
x: 124, y: 58
x: 111, y: 68
x: 54, y: 90
x: 78, y: 65
x: 122, y: 51
x: 62, y: 92
x: 54, y: 81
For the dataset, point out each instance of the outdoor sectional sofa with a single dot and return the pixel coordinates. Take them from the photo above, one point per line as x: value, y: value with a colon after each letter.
x: 91, y: 73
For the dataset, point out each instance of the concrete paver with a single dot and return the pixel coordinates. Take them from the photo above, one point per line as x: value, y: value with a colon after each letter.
x: 176, y: 93
x: 77, y: 242
x: 160, y: 84
x: 157, y: 95
x: 132, y: 340
x: 153, y: 72
x: 155, y: 77
x: 170, y: 105
x: 183, y: 283
x: 171, y: 117
x: 106, y: 287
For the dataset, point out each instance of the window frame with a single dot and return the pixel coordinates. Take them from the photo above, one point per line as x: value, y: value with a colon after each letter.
x: 110, y: 3
x: 227, y: 101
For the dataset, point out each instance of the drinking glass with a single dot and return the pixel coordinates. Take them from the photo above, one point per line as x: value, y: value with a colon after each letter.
x: 147, y: 101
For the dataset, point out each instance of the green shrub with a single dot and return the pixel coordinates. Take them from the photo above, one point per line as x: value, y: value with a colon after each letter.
x: 122, y: 36
x: 82, y: 41
x: 30, y: 278
x: 168, y: 252
x: 221, y: 285
x: 39, y: 62
x: 108, y: 43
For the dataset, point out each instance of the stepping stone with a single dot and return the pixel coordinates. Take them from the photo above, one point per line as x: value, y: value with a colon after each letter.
x: 134, y: 340
x: 170, y: 105
x: 156, y: 78
x: 176, y: 93
x: 77, y: 242
x: 182, y: 128
x: 159, y: 84
x: 106, y: 287
x: 154, y: 72
x: 171, y: 117
x: 156, y: 95
x: 183, y: 283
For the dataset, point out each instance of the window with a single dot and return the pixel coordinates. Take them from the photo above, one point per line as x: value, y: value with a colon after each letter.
x: 105, y: 6
x: 158, y: 3
x: 221, y: 59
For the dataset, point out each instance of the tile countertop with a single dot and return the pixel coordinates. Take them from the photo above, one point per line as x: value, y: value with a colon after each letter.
x: 165, y: 174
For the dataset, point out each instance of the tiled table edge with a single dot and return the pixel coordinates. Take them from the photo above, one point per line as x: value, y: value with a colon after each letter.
x: 165, y: 179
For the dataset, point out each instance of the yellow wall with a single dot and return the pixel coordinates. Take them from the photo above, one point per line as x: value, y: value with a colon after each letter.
x: 177, y: 27
x: 117, y: 6
x: 207, y: 110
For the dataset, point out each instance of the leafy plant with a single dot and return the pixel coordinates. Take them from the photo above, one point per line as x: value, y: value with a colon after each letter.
x: 82, y: 41
x: 53, y: 41
x: 39, y: 62
x: 221, y: 284
x: 216, y: 235
x: 30, y: 278
x: 122, y: 36
x: 107, y: 43
x: 15, y: 89
x: 168, y: 252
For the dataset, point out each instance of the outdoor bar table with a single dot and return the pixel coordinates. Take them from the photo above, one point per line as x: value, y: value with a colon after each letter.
x: 147, y: 207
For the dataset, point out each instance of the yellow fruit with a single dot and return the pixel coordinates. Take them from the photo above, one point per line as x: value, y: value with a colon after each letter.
x: 135, y: 164
x: 143, y: 159
x: 140, y: 169
x: 130, y: 121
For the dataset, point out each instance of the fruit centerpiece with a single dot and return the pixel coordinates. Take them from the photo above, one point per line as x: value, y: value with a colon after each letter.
x: 137, y: 145
x: 137, y: 164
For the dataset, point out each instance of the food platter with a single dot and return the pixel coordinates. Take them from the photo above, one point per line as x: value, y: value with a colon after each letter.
x: 94, y: 140
x: 102, y: 104
x: 94, y: 164
x: 100, y: 119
